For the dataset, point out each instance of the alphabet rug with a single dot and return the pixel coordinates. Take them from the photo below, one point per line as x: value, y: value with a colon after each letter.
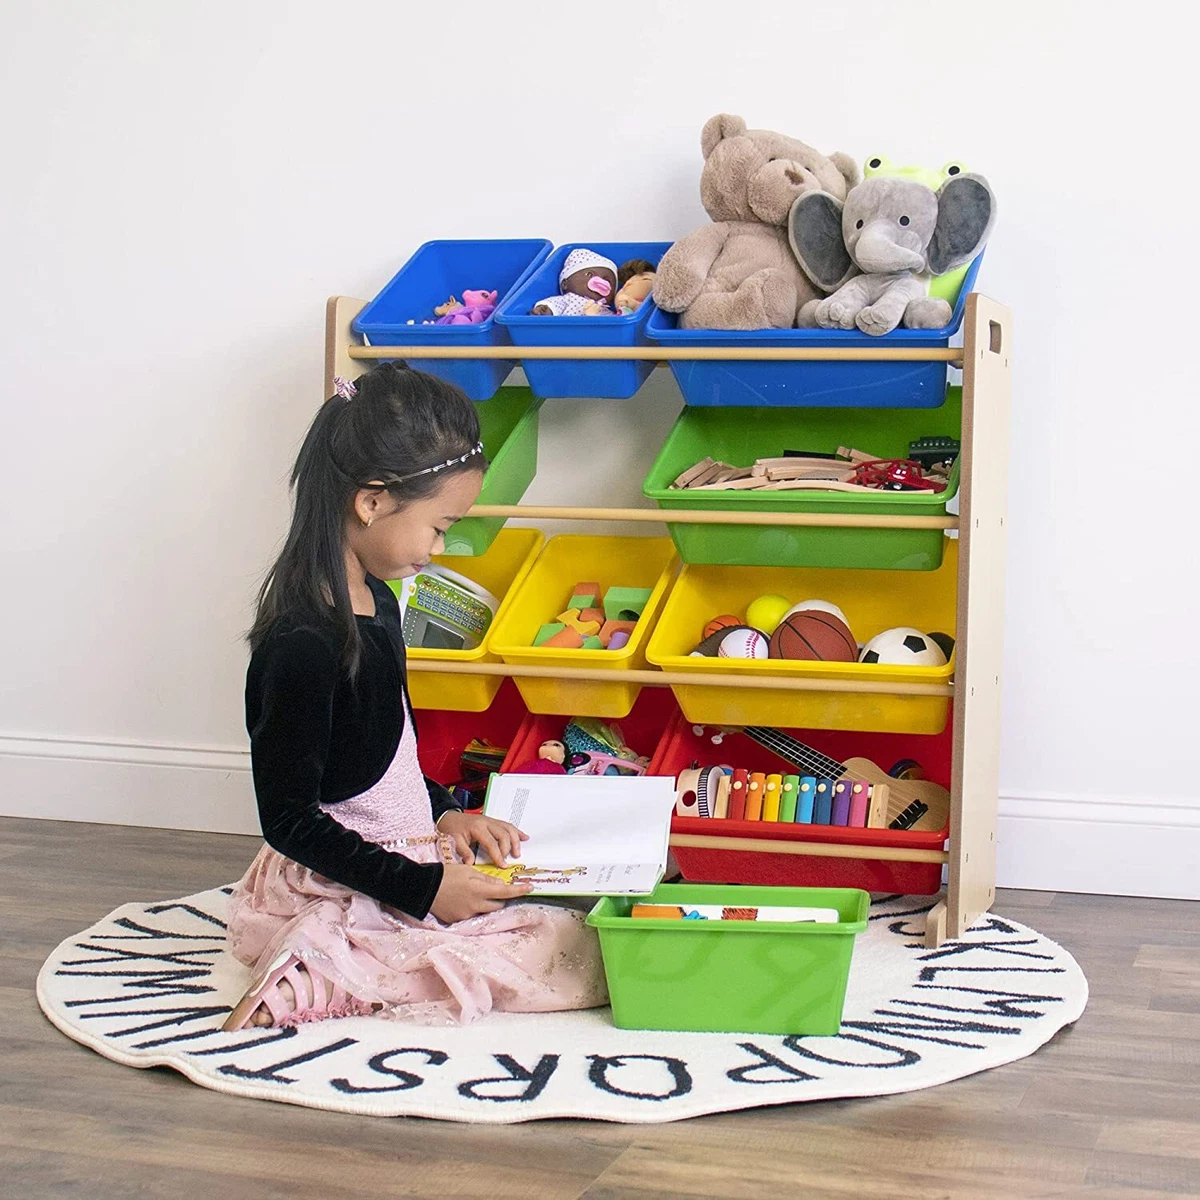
x: 150, y: 985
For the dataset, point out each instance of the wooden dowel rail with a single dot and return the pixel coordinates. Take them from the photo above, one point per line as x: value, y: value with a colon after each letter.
x: 702, y: 841
x: 678, y: 678
x: 691, y: 516
x: 947, y: 354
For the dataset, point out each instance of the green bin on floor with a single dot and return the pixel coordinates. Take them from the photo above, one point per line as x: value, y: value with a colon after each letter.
x: 740, y: 435
x: 508, y: 425
x: 729, y: 976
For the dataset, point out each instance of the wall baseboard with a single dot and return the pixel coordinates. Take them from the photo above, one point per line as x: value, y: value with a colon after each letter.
x: 1124, y: 846
x: 127, y: 783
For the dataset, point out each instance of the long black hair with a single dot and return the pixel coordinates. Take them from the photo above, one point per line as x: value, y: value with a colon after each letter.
x: 397, y: 423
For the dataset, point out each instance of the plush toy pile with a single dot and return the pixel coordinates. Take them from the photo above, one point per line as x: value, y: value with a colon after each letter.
x: 797, y: 239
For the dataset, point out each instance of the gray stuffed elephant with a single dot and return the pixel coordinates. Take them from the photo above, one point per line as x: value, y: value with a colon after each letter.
x: 875, y: 253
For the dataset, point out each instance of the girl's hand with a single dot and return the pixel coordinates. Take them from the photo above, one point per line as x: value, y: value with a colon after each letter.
x: 466, y: 892
x: 501, y: 840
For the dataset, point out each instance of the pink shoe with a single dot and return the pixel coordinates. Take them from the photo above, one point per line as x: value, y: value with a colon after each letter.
x: 265, y: 993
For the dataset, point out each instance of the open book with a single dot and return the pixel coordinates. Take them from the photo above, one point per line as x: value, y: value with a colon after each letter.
x: 589, y: 835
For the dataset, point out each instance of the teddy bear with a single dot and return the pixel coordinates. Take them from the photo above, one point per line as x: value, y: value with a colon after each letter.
x: 739, y: 272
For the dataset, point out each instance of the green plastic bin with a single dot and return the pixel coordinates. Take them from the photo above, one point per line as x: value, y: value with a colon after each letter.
x: 741, y: 435
x: 508, y: 424
x: 729, y: 976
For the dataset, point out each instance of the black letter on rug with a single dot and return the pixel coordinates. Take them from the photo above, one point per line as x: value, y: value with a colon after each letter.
x: 598, y: 1074
x: 534, y: 1080
x: 789, y: 1074
x: 378, y: 1064
x: 270, y: 1073
x: 905, y: 1057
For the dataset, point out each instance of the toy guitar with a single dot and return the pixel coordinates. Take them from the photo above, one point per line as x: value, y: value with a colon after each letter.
x: 905, y: 796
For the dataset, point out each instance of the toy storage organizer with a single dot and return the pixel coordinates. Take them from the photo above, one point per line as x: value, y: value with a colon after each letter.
x: 963, y: 580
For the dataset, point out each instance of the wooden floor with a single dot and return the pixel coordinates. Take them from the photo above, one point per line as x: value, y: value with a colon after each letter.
x: 1110, y: 1108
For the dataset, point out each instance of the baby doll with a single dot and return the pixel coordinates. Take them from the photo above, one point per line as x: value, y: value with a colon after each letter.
x: 550, y: 759
x: 586, y: 282
x: 635, y: 282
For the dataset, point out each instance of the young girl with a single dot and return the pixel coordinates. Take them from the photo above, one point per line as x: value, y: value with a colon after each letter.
x: 363, y: 898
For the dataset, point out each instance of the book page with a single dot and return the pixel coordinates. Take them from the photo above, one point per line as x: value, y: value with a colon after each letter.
x: 588, y: 835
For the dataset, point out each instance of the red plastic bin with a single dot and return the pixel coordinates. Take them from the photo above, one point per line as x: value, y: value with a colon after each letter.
x: 444, y: 734
x: 681, y: 747
x: 652, y: 714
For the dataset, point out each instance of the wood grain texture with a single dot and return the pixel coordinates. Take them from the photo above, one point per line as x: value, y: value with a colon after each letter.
x: 1108, y: 1109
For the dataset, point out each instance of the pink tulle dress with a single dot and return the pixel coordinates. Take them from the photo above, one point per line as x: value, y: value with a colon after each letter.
x: 526, y: 957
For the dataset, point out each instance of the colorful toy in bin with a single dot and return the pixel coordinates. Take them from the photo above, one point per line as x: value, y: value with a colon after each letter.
x: 625, y: 603
x: 476, y: 306
x: 586, y: 284
x: 878, y: 250
x: 441, y: 609
x: 816, y: 631
x: 905, y: 647
x: 594, y: 619
x: 551, y: 760
x: 636, y: 280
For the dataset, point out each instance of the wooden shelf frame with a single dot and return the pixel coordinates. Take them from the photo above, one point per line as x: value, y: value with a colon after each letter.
x: 985, y: 357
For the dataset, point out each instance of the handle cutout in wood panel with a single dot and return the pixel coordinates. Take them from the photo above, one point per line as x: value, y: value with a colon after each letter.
x: 995, y: 336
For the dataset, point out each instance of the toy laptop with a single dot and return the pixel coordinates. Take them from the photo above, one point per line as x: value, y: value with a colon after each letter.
x: 442, y: 610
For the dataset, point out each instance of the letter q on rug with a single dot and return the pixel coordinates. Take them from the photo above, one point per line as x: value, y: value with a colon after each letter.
x: 151, y: 984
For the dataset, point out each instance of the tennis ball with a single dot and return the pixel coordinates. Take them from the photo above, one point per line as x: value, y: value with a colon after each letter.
x: 766, y: 612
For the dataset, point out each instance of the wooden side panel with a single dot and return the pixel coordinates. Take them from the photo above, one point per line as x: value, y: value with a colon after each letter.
x: 983, y: 498
x: 339, y: 312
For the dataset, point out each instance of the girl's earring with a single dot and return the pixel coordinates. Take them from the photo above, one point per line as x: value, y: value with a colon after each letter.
x: 367, y: 522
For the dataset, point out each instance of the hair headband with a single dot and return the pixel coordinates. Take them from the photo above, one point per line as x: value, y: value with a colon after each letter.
x: 450, y: 462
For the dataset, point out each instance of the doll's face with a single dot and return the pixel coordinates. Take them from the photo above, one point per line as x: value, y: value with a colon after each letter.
x: 554, y: 752
x: 596, y: 283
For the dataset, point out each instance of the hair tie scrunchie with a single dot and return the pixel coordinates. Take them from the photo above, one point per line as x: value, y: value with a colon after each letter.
x: 344, y: 388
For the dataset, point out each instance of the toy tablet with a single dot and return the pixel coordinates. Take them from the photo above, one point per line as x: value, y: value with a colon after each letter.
x: 442, y: 610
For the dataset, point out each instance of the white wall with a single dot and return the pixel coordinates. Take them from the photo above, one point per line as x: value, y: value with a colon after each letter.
x: 184, y: 184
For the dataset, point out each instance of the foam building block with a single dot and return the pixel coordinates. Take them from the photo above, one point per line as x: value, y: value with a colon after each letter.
x: 619, y: 640
x: 587, y: 615
x: 611, y: 627
x: 592, y: 643
x: 619, y: 601
x: 546, y: 632
x: 566, y: 639
x: 585, y: 595
x: 572, y: 619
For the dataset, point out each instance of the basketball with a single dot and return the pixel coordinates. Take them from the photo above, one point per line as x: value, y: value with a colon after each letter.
x: 818, y: 606
x: 814, y: 636
x: 725, y: 622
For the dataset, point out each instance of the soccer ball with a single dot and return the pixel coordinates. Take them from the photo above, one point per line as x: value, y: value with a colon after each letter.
x: 903, y: 647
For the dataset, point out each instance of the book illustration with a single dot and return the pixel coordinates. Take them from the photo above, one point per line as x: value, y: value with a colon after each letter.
x: 607, y: 833
x: 520, y: 873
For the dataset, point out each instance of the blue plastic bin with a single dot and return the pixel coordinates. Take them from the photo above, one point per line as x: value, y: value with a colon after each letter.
x: 813, y: 384
x: 435, y: 272
x: 615, y: 379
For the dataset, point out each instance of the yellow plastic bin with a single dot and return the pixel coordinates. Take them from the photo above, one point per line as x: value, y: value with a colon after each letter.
x: 634, y: 562
x: 500, y: 569
x: 872, y: 601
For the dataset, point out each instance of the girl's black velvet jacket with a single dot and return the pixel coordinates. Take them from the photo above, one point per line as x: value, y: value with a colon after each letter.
x: 316, y: 738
